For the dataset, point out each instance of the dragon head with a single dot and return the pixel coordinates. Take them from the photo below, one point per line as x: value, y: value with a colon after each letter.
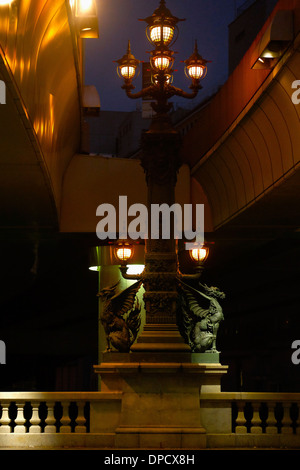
x: 107, y: 292
x: 214, y: 291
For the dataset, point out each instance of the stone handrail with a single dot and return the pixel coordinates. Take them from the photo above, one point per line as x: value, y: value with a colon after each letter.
x: 248, y: 420
x: 254, y: 412
x: 52, y: 419
x: 71, y: 419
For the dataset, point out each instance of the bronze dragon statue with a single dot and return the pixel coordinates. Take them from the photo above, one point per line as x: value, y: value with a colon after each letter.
x: 121, y: 316
x: 199, y: 314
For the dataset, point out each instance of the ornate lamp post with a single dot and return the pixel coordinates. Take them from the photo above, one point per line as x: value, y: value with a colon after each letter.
x: 160, y: 160
x: 162, y: 32
x: 161, y: 374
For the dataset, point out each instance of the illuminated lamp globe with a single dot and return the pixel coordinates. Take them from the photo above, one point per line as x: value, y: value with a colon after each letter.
x: 161, y: 61
x: 161, y: 26
x: 123, y: 252
x: 127, y: 65
x: 127, y: 72
x: 161, y: 35
x: 196, y: 72
x: 199, y: 254
x: 196, y: 68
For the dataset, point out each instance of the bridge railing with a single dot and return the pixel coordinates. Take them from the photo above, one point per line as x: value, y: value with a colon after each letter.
x: 268, y: 420
x: 80, y: 419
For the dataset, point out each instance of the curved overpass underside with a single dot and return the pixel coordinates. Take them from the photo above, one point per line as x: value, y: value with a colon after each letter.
x: 40, y: 122
x: 244, y: 149
x: 255, y: 166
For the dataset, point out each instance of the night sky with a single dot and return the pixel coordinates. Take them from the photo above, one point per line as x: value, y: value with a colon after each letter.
x: 206, y: 20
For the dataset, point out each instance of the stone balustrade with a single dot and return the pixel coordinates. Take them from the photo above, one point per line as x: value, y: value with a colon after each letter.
x: 262, y: 420
x: 74, y: 419
x: 52, y: 419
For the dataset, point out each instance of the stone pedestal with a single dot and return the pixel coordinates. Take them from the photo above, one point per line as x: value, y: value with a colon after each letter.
x: 160, y: 380
x: 161, y: 394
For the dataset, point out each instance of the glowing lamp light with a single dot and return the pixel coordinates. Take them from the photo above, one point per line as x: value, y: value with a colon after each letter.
x: 161, y: 34
x: 123, y: 252
x: 85, y: 7
x: 196, y: 67
x: 85, y: 18
x: 127, y: 65
x: 135, y: 269
x: 94, y: 268
x: 162, y: 26
x: 127, y: 72
x: 161, y: 63
x: 5, y: 2
x: 199, y: 254
x: 95, y: 259
x: 161, y: 60
x: 196, y: 72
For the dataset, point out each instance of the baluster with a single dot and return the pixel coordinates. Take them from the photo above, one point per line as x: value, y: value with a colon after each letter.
x: 65, y: 419
x: 5, y: 419
x: 241, y: 420
x: 256, y: 427
x: 35, y: 420
x: 50, y: 420
x: 20, y: 420
x: 297, y: 424
x: 271, y: 420
x: 80, y: 420
x: 286, y: 422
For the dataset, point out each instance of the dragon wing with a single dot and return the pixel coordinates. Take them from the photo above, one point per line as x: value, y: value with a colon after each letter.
x: 184, y: 321
x: 124, y: 301
x: 133, y: 321
x: 199, y: 305
x: 191, y: 307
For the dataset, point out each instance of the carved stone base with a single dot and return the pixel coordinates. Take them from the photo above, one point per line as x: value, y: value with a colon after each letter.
x: 160, y: 338
x: 161, y: 397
